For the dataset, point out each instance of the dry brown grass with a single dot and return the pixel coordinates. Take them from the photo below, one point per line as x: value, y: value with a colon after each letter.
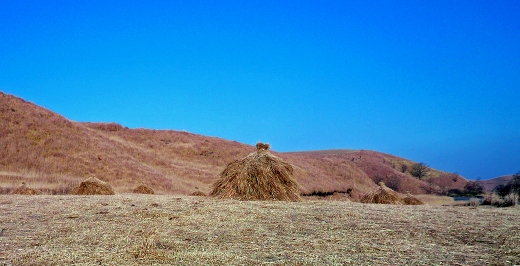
x: 93, y: 186
x: 134, y: 229
x: 435, y: 199
x: 259, y: 176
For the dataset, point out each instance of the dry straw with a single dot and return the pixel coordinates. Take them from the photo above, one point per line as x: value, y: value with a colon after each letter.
x: 144, y: 189
x: 93, y: 186
x: 411, y: 200
x: 383, y: 195
x: 258, y: 176
x: 198, y: 193
x: 25, y: 190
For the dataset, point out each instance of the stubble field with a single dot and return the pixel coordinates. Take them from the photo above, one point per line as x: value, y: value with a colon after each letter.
x: 130, y: 229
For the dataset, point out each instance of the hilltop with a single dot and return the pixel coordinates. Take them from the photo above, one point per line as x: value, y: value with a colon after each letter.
x: 48, y: 151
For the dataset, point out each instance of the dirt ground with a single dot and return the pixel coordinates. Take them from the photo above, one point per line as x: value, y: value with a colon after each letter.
x: 131, y: 229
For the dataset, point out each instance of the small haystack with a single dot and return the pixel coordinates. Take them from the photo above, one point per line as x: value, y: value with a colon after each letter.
x: 382, y: 195
x: 198, y: 193
x: 25, y: 190
x: 144, y: 189
x: 258, y: 176
x: 411, y: 200
x: 93, y: 186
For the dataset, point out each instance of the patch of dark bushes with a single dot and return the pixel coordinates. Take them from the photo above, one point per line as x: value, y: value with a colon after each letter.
x: 328, y: 193
x: 472, y: 189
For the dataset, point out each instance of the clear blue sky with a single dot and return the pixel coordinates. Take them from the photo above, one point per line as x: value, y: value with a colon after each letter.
x: 432, y: 81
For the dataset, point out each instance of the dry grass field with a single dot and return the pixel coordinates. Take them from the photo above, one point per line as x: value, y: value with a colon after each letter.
x: 131, y: 229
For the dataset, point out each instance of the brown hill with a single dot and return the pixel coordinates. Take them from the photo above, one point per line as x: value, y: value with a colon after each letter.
x: 490, y: 184
x: 381, y: 167
x: 54, y: 154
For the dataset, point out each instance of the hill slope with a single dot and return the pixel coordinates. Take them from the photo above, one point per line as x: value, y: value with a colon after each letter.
x: 490, y: 184
x: 50, y: 152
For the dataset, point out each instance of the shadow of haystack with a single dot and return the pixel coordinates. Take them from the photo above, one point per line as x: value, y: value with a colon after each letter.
x: 93, y: 186
x: 25, y: 190
x: 383, y: 195
x: 258, y: 176
x: 143, y: 189
x: 411, y: 200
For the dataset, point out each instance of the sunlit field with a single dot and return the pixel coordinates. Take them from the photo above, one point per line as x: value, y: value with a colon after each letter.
x: 127, y: 229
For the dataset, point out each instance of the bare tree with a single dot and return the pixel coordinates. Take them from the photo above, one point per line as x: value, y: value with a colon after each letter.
x: 404, y: 167
x: 419, y: 170
x: 473, y: 188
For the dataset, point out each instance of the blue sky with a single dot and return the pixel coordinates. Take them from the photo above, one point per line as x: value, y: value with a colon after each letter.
x: 432, y: 81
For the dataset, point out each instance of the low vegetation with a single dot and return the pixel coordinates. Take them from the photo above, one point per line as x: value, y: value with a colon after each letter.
x: 136, y: 229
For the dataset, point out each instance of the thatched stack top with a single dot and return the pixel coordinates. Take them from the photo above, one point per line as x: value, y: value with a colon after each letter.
x: 258, y: 176
x: 93, y: 186
x: 262, y: 147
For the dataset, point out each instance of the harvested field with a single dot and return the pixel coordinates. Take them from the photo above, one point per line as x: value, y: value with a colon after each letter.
x: 130, y: 229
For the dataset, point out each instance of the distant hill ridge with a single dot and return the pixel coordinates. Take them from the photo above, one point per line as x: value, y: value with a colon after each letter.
x: 48, y: 151
x: 490, y: 184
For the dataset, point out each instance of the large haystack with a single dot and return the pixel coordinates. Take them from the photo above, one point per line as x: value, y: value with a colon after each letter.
x: 25, y: 190
x: 382, y: 195
x: 144, y: 189
x: 411, y: 200
x: 93, y: 186
x: 258, y: 176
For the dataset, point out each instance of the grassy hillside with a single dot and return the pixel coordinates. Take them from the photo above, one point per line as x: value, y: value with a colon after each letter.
x: 393, y: 171
x: 490, y: 184
x: 52, y: 153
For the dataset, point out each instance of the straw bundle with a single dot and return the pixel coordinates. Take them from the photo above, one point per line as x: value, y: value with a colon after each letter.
x: 93, y: 186
x: 411, y: 200
x: 25, y: 190
x: 144, y: 189
x: 258, y: 176
x: 382, y: 195
x: 198, y: 193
